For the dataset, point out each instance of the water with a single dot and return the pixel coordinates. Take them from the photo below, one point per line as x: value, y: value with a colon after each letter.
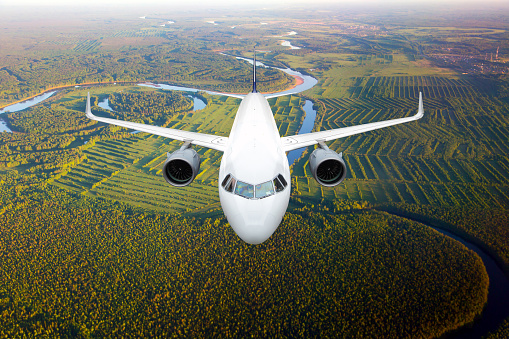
x: 307, y: 126
x: 198, y: 103
x: 3, y: 127
x: 25, y: 104
x: 105, y: 104
x: 185, y: 89
x: 307, y: 80
x: 289, y: 44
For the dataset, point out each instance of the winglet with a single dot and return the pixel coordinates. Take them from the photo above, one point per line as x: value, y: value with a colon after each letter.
x: 420, y: 112
x: 254, y: 72
x: 88, y: 112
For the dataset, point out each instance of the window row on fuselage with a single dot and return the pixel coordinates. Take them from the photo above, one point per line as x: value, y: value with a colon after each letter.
x: 249, y: 191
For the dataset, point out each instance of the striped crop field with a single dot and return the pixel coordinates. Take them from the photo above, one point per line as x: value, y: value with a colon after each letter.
x: 143, y: 33
x: 455, y: 155
x: 87, y: 46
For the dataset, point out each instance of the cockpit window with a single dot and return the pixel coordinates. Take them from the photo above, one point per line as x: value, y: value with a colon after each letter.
x: 264, y: 190
x: 278, y: 185
x: 249, y: 191
x: 230, y: 185
x: 245, y: 190
x: 282, y: 179
x: 225, y: 181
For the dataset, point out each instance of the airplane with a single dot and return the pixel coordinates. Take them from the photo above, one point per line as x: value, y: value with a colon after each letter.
x: 254, y: 176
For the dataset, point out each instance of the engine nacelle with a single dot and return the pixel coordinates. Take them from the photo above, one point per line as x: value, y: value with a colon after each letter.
x: 327, y: 167
x: 182, y: 166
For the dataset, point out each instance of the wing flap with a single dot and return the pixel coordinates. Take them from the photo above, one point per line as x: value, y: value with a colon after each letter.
x: 200, y: 139
x: 303, y: 140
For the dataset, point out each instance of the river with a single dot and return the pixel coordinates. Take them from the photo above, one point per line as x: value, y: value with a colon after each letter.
x: 497, y: 308
x: 27, y: 103
x: 307, y: 126
x: 21, y: 106
x: 286, y: 43
x: 307, y: 80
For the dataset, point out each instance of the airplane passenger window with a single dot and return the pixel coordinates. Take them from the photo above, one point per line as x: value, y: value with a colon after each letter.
x: 282, y: 179
x: 231, y: 185
x: 264, y: 190
x: 225, y: 180
x: 278, y: 185
x: 244, y: 190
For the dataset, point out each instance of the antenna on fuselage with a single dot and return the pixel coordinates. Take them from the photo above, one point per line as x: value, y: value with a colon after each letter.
x: 254, y: 71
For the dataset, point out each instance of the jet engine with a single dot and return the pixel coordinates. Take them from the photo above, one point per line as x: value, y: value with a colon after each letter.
x: 327, y: 167
x: 182, y: 166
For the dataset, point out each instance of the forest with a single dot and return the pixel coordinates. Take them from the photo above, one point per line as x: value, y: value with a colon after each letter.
x: 94, y: 243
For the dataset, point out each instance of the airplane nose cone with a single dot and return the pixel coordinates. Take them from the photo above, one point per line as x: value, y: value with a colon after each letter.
x: 254, y: 220
x: 254, y: 228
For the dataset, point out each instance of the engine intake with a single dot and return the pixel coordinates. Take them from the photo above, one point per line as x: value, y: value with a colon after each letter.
x: 327, y: 167
x: 182, y: 166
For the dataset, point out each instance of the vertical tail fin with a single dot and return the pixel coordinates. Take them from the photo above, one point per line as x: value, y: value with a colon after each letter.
x: 254, y: 72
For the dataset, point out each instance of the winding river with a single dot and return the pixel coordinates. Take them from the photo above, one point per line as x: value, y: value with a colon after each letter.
x: 497, y: 307
x: 307, y: 126
x: 19, y: 106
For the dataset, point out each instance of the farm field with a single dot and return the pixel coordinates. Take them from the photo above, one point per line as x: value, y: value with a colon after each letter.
x: 455, y: 155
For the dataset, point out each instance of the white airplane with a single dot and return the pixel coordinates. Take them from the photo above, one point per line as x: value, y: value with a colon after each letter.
x: 254, y: 175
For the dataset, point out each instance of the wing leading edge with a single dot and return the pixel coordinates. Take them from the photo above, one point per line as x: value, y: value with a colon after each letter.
x: 308, y: 139
x: 200, y: 139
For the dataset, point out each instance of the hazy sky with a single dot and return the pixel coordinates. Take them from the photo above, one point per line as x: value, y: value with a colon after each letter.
x: 170, y: 3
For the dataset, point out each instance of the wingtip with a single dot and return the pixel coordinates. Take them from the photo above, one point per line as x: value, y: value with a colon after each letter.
x: 420, y: 112
x: 88, y: 111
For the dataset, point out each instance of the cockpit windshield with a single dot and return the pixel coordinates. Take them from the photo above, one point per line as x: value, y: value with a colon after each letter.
x: 244, y: 190
x: 264, y: 190
x: 248, y: 191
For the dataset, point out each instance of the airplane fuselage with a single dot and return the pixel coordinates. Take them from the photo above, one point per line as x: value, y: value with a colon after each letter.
x: 253, y: 196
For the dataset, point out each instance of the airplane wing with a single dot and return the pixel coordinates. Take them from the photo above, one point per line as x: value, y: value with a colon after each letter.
x: 200, y: 139
x: 303, y: 140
